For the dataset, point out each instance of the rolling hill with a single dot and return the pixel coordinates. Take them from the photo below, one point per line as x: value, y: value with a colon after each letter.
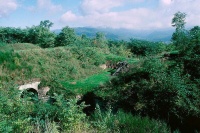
x: 125, y: 34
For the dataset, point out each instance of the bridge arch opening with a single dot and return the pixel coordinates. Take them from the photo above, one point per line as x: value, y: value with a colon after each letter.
x: 30, y: 92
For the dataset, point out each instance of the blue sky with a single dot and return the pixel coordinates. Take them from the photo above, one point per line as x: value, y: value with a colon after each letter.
x: 130, y: 14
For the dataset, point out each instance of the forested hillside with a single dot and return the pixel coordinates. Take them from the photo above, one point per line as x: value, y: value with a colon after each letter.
x: 97, y: 84
x: 125, y: 34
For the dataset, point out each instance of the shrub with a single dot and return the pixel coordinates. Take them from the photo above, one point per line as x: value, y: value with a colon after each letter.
x: 143, y: 48
x: 12, y: 35
x: 155, y: 89
x: 65, y: 37
x: 14, y: 112
x: 125, y: 123
x: 67, y: 113
x: 41, y: 36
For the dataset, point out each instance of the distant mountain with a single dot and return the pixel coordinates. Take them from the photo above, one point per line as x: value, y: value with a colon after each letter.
x: 125, y: 34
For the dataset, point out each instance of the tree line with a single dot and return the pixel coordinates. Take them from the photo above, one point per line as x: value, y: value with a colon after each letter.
x: 43, y: 36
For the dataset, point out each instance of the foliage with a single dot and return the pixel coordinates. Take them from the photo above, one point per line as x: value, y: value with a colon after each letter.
x: 14, y: 112
x: 83, y: 86
x: 21, y: 115
x: 179, y: 37
x: 9, y: 60
x: 125, y: 122
x: 119, y: 48
x: 58, y: 64
x: 143, y: 48
x: 83, y: 41
x: 42, y: 36
x: 18, y: 47
x: 190, y: 54
x: 156, y: 87
x: 188, y: 44
x: 66, y: 112
x: 66, y: 36
x: 100, y: 40
x: 46, y: 24
x: 178, y: 21
x: 12, y: 35
x: 194, y: 34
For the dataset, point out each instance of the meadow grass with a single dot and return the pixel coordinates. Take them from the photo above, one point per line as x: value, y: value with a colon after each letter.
x: 87, y: 84
x: 17, y: 47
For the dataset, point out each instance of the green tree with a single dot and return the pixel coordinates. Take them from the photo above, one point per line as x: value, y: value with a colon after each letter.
x: 119, y: 48
x: 66, y: 36
x: 179, y: 37
x: 188, y: 44
x: 143, y: 47
x: 190, y: 55
x: 12, y: 35
x: 41, y: 34
x: 178, y: 21
x: 83, y: 41
x: 100, y: 40
x: 195, y: 35
x: 46, y: 24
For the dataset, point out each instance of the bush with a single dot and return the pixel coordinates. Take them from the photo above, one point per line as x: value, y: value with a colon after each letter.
x: 65, y: 37
x: 21, y: 115
x: 12, y: 35
x: 41, y: 36
x: 14, y: 112
x: 67, y: 113
x: 143, y: 48
x: 155, y: 89
x: 125, y: 123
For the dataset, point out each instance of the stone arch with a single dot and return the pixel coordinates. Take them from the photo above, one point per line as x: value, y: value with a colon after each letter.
x: 33, y: 85
x: 33, y: 88
x: 30, y: 92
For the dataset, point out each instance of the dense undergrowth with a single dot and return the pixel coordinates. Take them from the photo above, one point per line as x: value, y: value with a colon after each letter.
x: 61, y: 65
x: 158, y: 93
x: 68, y: 71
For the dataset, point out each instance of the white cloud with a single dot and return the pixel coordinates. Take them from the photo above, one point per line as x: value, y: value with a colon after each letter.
x: 69, y: 17
x: 98, y: 13
x: 166, y: 2
x: 49, y: 6
x: 102, y: 6
x: 131, y: 19
x: 98, y: 6
x: 7, y: 7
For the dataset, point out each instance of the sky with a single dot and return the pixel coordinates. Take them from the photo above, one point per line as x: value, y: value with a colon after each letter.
x: 129, y: 14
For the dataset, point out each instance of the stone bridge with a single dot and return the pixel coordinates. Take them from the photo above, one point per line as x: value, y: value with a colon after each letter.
x: 41, y: 93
